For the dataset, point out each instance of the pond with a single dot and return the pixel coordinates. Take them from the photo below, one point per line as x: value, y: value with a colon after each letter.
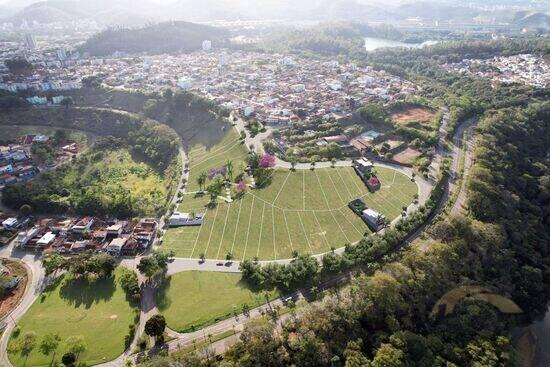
x: 372, y: 43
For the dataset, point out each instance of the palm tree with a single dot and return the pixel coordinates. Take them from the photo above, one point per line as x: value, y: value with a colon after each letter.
x: 229, y: 168
x: 201, y: 180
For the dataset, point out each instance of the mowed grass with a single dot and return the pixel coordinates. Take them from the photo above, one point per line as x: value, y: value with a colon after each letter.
x: 98, y: 311
x: 202, y: 159
x: 304, y: 211
x: 192, y: 299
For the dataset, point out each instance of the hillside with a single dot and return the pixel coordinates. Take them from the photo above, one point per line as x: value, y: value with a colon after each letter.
x: 154, y: 39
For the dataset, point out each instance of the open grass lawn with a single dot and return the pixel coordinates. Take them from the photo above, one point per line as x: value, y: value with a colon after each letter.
x: 201, y: 159
x: 194, y: 298
x: 304, y: 211
x: 99, y: 312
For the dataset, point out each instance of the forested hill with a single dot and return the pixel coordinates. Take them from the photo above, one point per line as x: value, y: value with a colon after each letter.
x: 154, y: 39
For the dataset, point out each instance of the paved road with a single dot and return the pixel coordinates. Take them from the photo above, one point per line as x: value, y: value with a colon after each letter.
x: 35, y: 286
x: 36, y: 283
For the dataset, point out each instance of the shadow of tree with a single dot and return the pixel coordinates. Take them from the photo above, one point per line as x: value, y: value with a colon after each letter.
x: 162, y: 299
x: 85, y: 292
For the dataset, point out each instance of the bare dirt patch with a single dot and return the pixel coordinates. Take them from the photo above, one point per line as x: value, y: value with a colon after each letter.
x: 409, y: 115
x: 407, y: 156
x: 11, y: 300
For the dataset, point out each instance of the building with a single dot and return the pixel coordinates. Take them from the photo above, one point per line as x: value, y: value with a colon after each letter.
x: 206, y: 45
x: 185, y: 219
x: 30, y: 42
x: 83, y: 225
x: 24, y: 237
x: 374, y: 220
x: 10, y: 223
x: 46, y: 240
x: 115, y: 247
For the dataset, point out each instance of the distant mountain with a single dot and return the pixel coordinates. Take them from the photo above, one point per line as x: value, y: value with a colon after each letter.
x: 154, y: 39
x: 532, y: 19
x: 106, y: 12
x: 436, y: 11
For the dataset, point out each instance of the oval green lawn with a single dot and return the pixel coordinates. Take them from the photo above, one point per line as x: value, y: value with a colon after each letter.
x: 192, y: 299
x: 98, y: 311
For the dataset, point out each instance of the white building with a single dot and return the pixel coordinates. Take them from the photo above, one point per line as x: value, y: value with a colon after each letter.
x: 206, y: 45
x: 24, y: 237
x: 185, y: 83
x: 185, y: 219
x: 10, y: 223
x: 46, y: 239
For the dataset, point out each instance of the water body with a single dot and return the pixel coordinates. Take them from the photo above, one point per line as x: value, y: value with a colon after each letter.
x: 533, y: 343
x: 372, y: 43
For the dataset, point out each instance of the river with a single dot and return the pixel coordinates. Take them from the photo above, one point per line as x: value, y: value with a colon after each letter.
x: 372, y: 43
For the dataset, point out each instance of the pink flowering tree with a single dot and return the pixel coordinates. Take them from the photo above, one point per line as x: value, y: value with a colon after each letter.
x: 213, y: 172
x: 267, y: 161
x: 241, y: 187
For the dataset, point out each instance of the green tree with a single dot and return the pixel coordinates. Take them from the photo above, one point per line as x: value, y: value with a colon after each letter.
x: 229, y: 169
x: 76, y: 345
x: 27, y: 344
x: 49, y: 344
x: 68, y: 359
x: 201, y: 180
x: 154, y: 327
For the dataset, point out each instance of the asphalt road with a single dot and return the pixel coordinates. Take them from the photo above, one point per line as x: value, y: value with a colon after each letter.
x: 37, y: 281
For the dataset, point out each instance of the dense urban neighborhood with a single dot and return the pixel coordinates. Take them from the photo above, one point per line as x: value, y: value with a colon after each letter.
x: 340, y: 187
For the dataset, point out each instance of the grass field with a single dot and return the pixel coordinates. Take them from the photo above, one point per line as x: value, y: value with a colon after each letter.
x: 194, y: 298
x: 304, y: 211
x: 202, y: 159
x: 98, y: 312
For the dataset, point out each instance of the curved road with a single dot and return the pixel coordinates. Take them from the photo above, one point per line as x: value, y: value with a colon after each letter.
x: 148, y: 307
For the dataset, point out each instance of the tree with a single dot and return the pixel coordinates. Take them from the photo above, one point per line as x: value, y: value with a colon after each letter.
x: 154, y: 327
x: 148, y: 266
x: 154, y: 264
x: 201, y: 180
x: 52, y: 262
x: 68, y: 359
x: 25, y: 210
x: 76, y: 344
x: 229, y: 169
x: 67, y: 102
x: 49, y: 345
x: 229, y: 256
x: 27, y: 344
